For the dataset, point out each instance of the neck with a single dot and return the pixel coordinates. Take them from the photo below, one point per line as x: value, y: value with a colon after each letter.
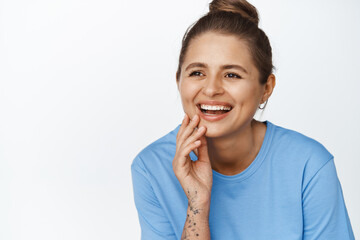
x: 232, y: 154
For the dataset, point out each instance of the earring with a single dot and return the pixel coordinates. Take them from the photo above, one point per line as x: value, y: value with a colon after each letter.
x: 264, y: 105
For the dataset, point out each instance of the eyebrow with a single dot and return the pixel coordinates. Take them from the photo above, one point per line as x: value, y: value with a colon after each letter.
x: 234, y: 66
x: 196, y: 64
x: 204, y: 65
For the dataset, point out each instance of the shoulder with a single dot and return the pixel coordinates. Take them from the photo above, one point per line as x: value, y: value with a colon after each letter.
x: 301, y: 150
x: 157, y: 153
x: 299, y: 142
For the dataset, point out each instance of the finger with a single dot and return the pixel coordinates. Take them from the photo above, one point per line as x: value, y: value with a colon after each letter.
x: 195, y: 135
x: 203, y: 150
x: 194, y: 139
x: 196, y: 152
x: 189, y: 129
x: 201, y: 132
x: 183, y: 125
x: 183, y: 157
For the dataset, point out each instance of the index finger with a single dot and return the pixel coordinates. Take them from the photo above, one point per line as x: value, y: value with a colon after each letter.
x: 183, y: 125
x: 196, y: 152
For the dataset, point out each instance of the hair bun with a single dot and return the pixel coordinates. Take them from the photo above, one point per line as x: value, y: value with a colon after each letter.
x: 242, y: 7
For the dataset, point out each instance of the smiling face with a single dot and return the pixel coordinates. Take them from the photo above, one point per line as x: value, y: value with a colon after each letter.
x: 218, y: 74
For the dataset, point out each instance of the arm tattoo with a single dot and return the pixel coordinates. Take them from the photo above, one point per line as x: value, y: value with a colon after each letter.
x: 191, y: 230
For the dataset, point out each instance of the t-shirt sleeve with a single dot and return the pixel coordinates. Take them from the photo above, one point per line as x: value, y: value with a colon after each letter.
x: 324, y: 210
x: 153, y: 221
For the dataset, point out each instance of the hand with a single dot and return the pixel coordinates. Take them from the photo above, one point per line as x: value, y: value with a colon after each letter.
x: 195, y: 177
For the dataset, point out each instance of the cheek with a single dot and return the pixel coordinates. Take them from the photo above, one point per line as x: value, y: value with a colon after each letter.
x: 241, y: 90
x: 188, y: 90
x: 244, y: 93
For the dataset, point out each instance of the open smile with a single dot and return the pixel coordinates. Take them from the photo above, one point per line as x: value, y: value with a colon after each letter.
x: 213, y: 112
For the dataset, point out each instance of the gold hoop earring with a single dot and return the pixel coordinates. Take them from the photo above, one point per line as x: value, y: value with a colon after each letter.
x: 264, y: 105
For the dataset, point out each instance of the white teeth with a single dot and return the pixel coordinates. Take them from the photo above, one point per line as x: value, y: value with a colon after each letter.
x: 211, y: 107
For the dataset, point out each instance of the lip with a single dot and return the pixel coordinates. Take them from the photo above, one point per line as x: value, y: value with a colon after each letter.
x: 213, y: 118
x: 211, y: 102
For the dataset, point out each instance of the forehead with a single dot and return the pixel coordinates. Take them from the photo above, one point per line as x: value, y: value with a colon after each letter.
x: 217, y: 49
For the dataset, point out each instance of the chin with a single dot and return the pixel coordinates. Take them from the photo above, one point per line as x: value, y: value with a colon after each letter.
x: 212, y: 135
x: 213, y: 131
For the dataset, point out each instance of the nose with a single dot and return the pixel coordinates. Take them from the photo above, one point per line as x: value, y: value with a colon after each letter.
x: 213, y: 86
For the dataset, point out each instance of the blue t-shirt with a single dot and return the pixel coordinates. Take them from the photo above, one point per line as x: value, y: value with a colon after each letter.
x: 290, y: 191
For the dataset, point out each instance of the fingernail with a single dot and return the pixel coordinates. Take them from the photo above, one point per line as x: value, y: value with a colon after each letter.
x: 201, y: 128
x: 195, y: 117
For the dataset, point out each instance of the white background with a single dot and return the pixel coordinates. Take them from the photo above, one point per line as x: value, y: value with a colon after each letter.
x: 85, y: 85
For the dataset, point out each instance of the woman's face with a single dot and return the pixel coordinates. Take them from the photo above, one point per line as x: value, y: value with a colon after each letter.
x: 218, y: 73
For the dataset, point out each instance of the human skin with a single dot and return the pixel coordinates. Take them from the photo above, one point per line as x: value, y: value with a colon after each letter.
x: 228, y: 145
x: 235, y: 140
x: 194, y: 177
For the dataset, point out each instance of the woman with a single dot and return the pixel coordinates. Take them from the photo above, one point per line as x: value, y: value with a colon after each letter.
x: 223, y: 174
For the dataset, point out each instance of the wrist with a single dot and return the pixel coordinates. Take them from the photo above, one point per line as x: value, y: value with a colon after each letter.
x: 196, y: 197
x: 200, y: 209
x: 197, y: 222
x: 200, y: 203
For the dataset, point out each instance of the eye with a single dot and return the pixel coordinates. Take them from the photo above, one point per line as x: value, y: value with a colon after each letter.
x: 233, y: 75
x: 196, y: 74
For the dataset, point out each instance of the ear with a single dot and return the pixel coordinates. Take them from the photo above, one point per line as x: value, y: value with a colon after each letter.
x: 269, y: 87
x: 177, y: 82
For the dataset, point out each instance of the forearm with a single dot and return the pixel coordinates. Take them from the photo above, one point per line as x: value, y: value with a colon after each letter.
x: 195, y: 177
x: 197, y: 222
